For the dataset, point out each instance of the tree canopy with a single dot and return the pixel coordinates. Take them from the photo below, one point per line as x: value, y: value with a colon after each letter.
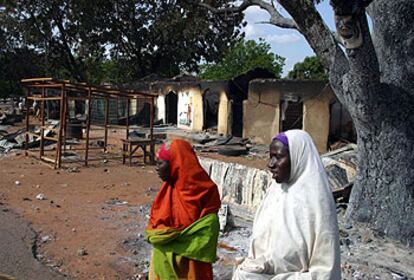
x: 115, y: 41
x: 310, y: 68
x: 242, y: 57
x: 20, y: 63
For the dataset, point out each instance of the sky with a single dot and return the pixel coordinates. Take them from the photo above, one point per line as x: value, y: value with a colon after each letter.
x: 288, y: 43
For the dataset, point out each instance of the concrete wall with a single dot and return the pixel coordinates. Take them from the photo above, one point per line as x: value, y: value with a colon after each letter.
x: 224, y: 111
x: 262, y: 108
x: 224, y: 115
x: 160, y: 113
x: 161, y: 89
x: 240, y: 186
x: 190, y: 103
x: 185, y: 110
x: 197, y: 109
x: 261, y: 112
x: 316, y: 118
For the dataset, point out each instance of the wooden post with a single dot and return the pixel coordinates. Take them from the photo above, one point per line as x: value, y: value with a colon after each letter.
x: 26, y: 144
x: 65, y: 111
x: 61, y: 120
x: 88, y: 125
x: 130, y: 153
x: 106, y: 122
x: 65, y: 106
x: 42, y: 117
x: 127, y: 120
x: 152, y: 146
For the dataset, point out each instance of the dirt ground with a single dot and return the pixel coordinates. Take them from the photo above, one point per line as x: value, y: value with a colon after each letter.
x: 84, y: 219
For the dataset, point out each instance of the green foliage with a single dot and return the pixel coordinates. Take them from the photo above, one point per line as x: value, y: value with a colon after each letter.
x: 309, y: 69
x: 16, y: 65
x: 8, y: 88
x: 242, y: 57
x: 106, y: 71
x: 83, y: 40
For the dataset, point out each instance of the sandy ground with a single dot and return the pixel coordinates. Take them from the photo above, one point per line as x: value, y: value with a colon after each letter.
x: 80, y: 225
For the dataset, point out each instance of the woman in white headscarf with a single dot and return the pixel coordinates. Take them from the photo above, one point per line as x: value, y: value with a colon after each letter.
x: 295, y: 231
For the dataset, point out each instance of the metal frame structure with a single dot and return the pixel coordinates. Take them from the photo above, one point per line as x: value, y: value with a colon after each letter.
x: 47, y: 89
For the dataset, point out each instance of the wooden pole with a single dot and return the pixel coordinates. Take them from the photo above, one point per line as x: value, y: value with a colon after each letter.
x: 26, y: 144
x: 65, y: 109
x: 152, y: 146
x: 127, y: 120
x: 58, y: 158
x: 106, y: 122
x: 88, y: 125
x: 42, y: 130
x: 65, y: 112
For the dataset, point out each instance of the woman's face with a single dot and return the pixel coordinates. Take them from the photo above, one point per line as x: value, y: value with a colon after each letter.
x: 279, y: 162
x: 163, y: 169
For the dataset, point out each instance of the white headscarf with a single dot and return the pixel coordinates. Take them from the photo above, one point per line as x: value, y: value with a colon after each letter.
x: 295, y: 232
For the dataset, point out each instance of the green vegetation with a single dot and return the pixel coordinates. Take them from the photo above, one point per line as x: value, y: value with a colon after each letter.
x: 110, y: 41
x: 242, y: 57
x: 310, y: 68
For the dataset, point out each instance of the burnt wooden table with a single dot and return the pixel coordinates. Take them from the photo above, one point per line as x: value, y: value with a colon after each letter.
x: 131, y: 145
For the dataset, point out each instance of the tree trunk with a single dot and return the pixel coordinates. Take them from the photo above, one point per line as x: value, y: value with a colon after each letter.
x: 383, y: 195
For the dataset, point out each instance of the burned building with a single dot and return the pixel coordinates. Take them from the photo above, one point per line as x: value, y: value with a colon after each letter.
x: 273, y: 106
x: 252, y: 105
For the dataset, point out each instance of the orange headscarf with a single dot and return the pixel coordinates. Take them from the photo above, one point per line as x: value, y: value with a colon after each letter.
x: 188, y: 196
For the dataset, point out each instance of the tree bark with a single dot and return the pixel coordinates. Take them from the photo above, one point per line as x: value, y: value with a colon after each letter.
x: 383, y: 195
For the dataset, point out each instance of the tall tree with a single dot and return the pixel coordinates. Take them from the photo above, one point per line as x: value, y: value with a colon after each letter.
x: 373, y: 76
x: 63, y: 31
x: 242, y: 57
x: 310, y: 68
x: 141, y: 37
x: 167, y: 37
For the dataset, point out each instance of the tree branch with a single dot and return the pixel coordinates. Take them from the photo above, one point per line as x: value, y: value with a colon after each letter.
x: 312, y: 26
x: 234, y: 9
x: 275, y: 17
x: 264, y: 22
x: 364, y: 67
x: 321, y: 40
x: 362, y: 59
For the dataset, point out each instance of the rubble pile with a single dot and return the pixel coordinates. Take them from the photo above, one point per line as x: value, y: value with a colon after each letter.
x: 17, y: 140
x: 228, y: 146
x: 10, y: 113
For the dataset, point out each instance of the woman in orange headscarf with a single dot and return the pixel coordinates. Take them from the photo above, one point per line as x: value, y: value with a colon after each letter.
x: 183, y: 226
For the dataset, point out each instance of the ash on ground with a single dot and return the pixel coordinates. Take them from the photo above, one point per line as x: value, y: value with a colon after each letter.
x: 364, y: 254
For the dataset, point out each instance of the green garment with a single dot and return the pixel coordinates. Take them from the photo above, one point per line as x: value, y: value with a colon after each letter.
x: 198, y: 242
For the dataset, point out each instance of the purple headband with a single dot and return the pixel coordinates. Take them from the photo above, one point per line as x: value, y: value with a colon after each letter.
x: 282, y: 138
